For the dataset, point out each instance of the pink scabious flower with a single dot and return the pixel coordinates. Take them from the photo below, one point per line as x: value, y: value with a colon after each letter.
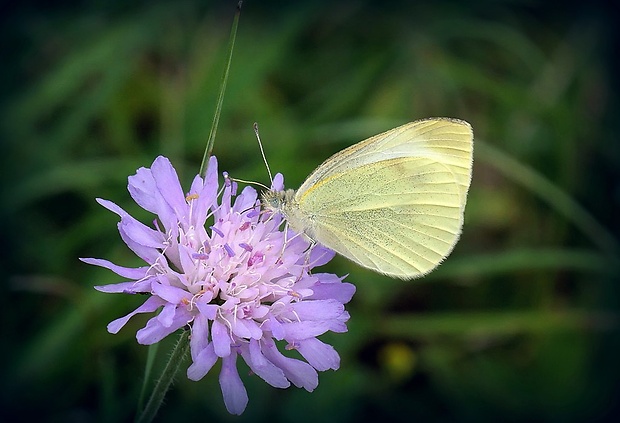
x: 229, y: 273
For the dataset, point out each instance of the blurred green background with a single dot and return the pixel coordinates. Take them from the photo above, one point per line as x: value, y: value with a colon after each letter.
x: 519, y: 324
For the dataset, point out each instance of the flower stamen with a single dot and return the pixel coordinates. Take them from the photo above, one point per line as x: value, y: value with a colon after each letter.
x: 229, y: 250
x: 217, y: 231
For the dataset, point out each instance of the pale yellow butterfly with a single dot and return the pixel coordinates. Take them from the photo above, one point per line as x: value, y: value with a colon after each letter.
x: 393, y: 203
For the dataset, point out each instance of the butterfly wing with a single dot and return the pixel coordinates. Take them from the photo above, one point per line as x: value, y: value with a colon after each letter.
x: 445, y: 140
x: 393, y: 203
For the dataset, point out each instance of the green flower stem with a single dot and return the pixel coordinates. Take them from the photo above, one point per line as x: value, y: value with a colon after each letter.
x: 220, y: 98
x: 148, y: 367
x: 163, y: 384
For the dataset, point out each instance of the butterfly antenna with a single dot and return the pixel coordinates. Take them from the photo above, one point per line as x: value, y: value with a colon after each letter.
x: 262, y: 152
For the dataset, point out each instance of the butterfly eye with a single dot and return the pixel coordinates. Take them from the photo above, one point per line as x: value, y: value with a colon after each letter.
x: 272, y: 200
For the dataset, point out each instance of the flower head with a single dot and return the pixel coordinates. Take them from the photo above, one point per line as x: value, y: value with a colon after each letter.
x: 230, y: 273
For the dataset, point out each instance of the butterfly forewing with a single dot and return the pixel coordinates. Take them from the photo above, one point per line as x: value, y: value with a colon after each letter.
x: 445, y: 140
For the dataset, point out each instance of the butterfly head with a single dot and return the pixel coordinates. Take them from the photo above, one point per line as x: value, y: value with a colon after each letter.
x: 278, y: 201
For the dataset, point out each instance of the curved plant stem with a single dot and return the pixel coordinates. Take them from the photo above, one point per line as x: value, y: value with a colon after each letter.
x: 150, y: 360
x: 220, y: 98
x: 163, y: 384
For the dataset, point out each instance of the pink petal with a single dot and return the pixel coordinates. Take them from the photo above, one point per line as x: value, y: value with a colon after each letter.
x: 126, y: 272
x: 148, y: 254
x: 154, y: 331
x: 185, y: 257
x: 300, y: 373
x: 320, y: 355
x: 233, y: 391
x: 278, y: 182
x: 246, y: 200
x: 307, y: 329
x: 151, y: 304
x: 141, y: 187
x: 126, y: 287
x: 206, y: 194
x: 317, y: 309
x: 169, y: 186
x: 166, y: 316
x: 207, y: 310
x: 221, y: 339
x: 264, y: 368
x: 141, y: 234
x: 202, y: 363
x: 340, y: 291
x: 320, y: 255
x: 200, y: 335
x: 240, y: 329
x: 112, y: 207
x: 171, y: 294
x: 276, y: 328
